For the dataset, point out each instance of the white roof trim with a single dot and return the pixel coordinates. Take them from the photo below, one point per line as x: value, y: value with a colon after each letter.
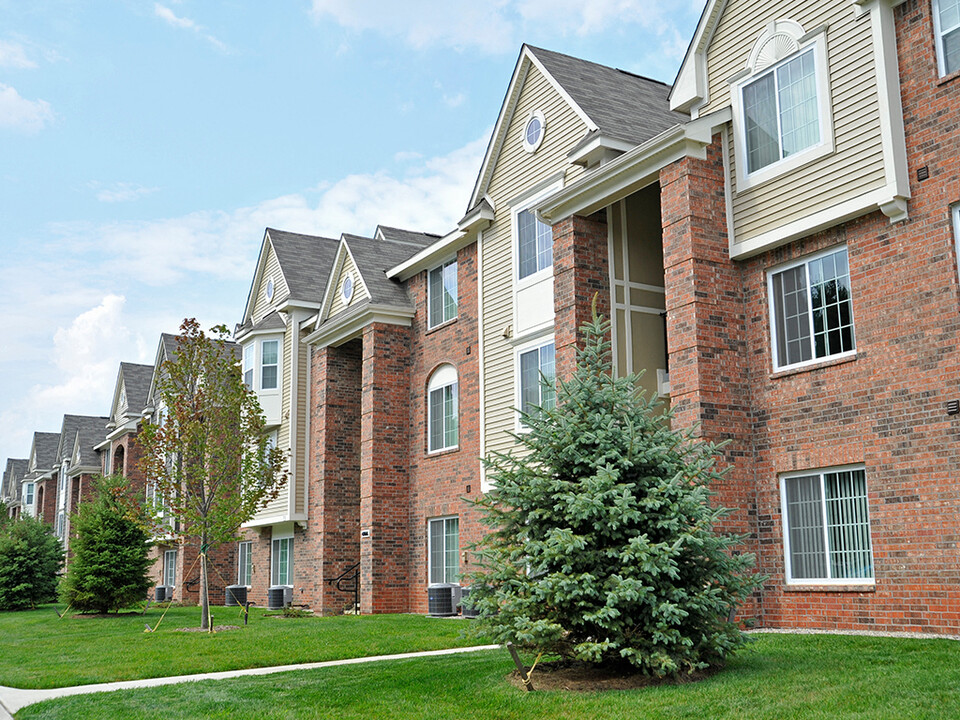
x: 343, y: 251
x: 430, y: 256
x: 339, y: 332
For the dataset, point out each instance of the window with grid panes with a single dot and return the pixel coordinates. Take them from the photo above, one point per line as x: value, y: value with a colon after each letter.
x: 442, y: 294
x: 946, y: 18
x: 244, y: 563
x: 443, y: 537
x: 537, y: 376
x: 282, y: 561
x: 535, y: 244
x: 442, y: 410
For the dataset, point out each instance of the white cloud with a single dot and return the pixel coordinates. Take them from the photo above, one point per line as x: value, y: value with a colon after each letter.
x: 12, y: 55
x: 454, y: 101
x: 18, y: 113
x: 166, y: 14
x: 121, y: 192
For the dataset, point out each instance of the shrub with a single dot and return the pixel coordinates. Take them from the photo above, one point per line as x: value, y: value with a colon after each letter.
x: 30, y: 558
x: 108, y: 570
x: 602, y: 546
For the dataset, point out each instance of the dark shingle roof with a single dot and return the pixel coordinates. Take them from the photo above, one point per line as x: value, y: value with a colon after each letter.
x: 419, y: 240
x: 68, y: 434
x: 15, y: 470
x: 305, y: 261
x: 136, y: 381
x: 374, y: 258
x: 623, y: 105
x: 92, y: 432
x: 46, y: 445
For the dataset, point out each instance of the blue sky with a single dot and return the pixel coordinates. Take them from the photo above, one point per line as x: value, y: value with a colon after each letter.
x: 145, y: 146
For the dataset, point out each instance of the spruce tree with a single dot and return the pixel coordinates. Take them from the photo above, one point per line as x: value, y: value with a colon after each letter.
x: 30, y: 558
x: 108, y: 570
x: 603, y: 546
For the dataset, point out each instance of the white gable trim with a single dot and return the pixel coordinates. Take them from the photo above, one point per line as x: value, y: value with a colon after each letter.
x: 258, y: 276
x: 527, y: 58
x: 690, y: 89
x: 343, y: 252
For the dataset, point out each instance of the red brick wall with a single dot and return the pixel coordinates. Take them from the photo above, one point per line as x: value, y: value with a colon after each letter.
x: 580, y: 271
x: 384, y: 462
x: 443, y: 483
x: 46, y: 500
x: 131, y: 460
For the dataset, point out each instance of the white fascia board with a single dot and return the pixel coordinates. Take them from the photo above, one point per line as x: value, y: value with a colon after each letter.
x: 258, y: 273
x: 633, y: 170
x: 127, y: 427
x: 430, y: 256
x: 103, y: 444
x: 268, y: 520
x: 329, y: 290
x: 337, y: 333
x: 690, y: 87
x: 597, y: 145
x: 292, y: 304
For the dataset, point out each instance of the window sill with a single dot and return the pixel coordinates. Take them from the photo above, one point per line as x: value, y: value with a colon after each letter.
x: 829, y: 362
x: 813, y: 587
x: 947, y: 79
x: 443, y: 451
x: 442, y: 325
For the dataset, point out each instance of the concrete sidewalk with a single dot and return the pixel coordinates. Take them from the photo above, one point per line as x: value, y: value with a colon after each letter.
x: 12, y: 699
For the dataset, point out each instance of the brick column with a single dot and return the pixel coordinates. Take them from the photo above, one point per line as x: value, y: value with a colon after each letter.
x: 384, y: 462
x: 580, y: 271
x: 706, y: 326
x: 332, y: 537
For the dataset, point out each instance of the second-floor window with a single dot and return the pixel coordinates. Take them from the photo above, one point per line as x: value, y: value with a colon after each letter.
x: 811, y: 309
x: 248, y: 366
x: 442, y: 410
x: 946, y: 19
x: 442, y: 293
x: 534, y: 244
x: 28, y: 493
x: 269, y: 364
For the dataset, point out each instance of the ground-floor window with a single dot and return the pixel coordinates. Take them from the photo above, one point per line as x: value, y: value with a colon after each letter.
x: 244, y: 563
x: 443, y: 540
x: 170, y: 568
x: 282, y: 561
x: 827, y: 526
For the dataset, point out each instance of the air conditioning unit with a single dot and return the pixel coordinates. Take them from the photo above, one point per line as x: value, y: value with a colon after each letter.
x: 163, y: 593
x: 442, y: 599
x: 235, y: 595
x: 279, y: 596
x: 466, y: 608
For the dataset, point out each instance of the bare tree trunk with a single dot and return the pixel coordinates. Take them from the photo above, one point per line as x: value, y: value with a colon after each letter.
x: 204, y: 590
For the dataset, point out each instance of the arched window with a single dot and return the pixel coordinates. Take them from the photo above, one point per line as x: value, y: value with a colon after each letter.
x: 118, y: 468
x: 443, y: 424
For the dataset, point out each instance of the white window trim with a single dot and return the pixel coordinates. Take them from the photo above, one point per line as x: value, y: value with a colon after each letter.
x: 240, y: 563
x: 443, y: 520
x: 249, y: 354
x: 166, y: 567
x: 938, y: 39
x: 443, y: 377
x: 818, y: 40
x: 785, y: 530
x: 528, y: 146
x: 955, y: 213
x: 774, y: 355
x: 540, y: 342
x: 30, y: 490
x: 281, y: 535
x: 441, y: 267
x: 260, y: 365
x: 546, y: 275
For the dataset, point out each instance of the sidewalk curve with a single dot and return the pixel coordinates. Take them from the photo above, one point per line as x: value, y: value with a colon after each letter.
x: 13, y: 699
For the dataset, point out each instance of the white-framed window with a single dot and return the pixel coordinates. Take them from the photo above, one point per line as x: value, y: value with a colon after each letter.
x: 170, y: 568
x: 248, y: 363
x: 281, y: 561
x: 827, y: 526
x: 534, y: 245
x: 244, y: 563
x: 781, y: 104
x: 811, y: 309
x: 443, y: 421
x: 443, y: 549
x: 536, y: 377
x: 442, y: 294
x: 533, y: 131
x: 29, y: 492
x: 269, y: 364
x: 955, y: 213
x: 61, y: 521
x: 946, y: 25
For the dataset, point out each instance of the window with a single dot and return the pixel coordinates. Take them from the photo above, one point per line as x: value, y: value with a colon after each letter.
x: 827, y: 527
x: 247, y: 367
x: 812, y: 310
x: 244, y: 563
x: 956, y: 232
x: 533, y: 131
x: 28, y: 493
x: 537, y: 377
x: 269, y: 289
x: 443, y: 539
x: 442, y: 411
x: 269, y: 362
x: 442, y: 293
x: 781, y: 111
x: 535, y: 244
x: 282, y: 561
x: 946, y: 22
x: 170, y: 568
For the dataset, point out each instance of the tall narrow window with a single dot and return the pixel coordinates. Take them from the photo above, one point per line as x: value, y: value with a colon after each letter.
x: 444, y: 550
x: 827, y: 527
x: 537, y: 377
x: 781, y: 111
x: 535, y: 250
x: 29, y: 490
x: 442, y: 293
x: 946, y: 19
x: 269, y: 364
x: 282, y: 561
x: 442, y: 410
x: 170, y: 568
x: 248, y: 366
x: 244, y: 563
x: 812, y: 309
x: 955, y: 211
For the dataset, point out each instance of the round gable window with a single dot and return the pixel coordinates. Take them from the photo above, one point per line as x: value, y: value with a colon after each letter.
x: 347, y: 290
x: 269, y: 289
x: 533, y: 131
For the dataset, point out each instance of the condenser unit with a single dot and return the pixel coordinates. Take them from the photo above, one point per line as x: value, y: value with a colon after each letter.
x: 442, y: 599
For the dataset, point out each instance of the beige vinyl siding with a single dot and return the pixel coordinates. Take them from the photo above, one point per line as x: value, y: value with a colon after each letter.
x: 516, y: 172
x: 856, y: 165
x: 271, y: 268
x: 347, y: 268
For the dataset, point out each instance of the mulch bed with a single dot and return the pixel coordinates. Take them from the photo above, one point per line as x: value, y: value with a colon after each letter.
x: 581, y: 677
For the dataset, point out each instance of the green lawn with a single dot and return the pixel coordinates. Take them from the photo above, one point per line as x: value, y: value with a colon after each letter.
x: 778, y: 678
x: 37, y: 650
